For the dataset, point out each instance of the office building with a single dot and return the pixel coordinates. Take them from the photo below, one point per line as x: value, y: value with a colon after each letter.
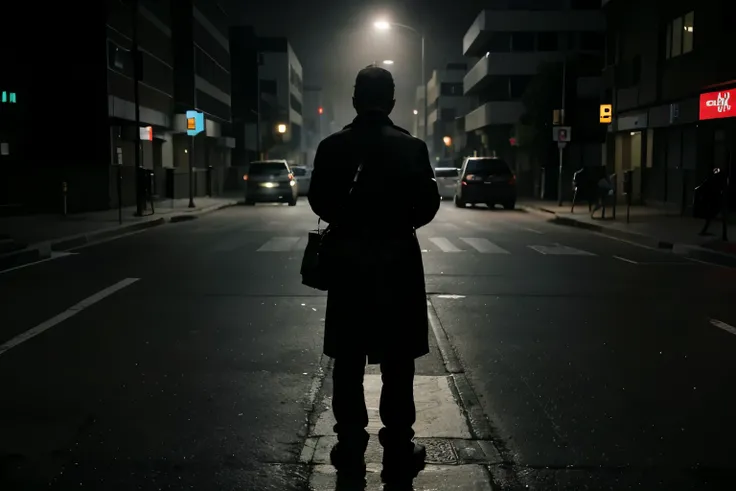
x: 509, y: 44
x: 672, y: 86
x: 447, y: 106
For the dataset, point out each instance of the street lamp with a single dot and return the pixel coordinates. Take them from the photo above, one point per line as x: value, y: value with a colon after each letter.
x: 281, y: 128
x: 447, y: 141
x: 416, y: 112
x: 388, y: 62
x: 384, y: 25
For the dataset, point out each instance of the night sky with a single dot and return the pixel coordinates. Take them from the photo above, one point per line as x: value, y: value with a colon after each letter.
x: 335, y: 38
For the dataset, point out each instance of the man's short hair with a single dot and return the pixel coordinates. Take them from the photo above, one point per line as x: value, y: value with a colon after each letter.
x: 374, y: 86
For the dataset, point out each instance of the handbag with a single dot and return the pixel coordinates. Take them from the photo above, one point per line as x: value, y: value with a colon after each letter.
x: 315, y: 269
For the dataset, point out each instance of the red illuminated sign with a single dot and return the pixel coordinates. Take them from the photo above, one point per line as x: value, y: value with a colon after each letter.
x: 717, y: 105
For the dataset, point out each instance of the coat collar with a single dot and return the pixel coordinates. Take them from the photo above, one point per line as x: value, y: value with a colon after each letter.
x: 372, y: 118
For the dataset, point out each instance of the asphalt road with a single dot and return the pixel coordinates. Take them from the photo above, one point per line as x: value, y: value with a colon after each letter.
x: 192, y: 360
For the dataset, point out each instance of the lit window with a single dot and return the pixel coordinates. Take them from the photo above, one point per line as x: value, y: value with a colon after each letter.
x: 688, y: 29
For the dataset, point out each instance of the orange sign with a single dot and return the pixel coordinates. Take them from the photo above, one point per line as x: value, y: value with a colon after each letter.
x: 191, y: 124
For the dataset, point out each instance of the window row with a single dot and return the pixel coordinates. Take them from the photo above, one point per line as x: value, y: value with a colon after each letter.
x: 505, y: 42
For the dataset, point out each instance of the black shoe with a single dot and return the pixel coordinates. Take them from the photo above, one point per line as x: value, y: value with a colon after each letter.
x: 349, y: 456
x: 401, y: 467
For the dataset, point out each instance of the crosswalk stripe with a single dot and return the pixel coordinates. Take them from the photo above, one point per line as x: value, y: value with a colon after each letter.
x: 302, y: 244
x: 279, y: 244
x: 560, y: 250
x: 484, y: 245
x: 444, y: 244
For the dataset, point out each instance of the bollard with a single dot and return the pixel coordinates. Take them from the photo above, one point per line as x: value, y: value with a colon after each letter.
x: 63, y: 191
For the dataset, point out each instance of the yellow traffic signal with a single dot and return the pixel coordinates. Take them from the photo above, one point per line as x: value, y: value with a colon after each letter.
x: 606, y: 113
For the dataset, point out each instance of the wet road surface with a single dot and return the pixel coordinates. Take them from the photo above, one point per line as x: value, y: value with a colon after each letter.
x: 189, y: 357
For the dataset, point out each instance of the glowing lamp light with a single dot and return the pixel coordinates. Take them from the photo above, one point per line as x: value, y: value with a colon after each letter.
x: 281, y: 128
x: 447, y: 140
x: 320, y: 110
x: 388, y: 62
x: 382, y: 25
x: 416, y: 112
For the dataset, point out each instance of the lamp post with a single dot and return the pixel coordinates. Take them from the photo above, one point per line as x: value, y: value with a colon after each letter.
x: 384, y: 25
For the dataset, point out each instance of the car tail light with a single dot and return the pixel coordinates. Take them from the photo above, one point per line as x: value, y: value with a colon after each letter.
x: 245, y: 177
x: 472, y: 177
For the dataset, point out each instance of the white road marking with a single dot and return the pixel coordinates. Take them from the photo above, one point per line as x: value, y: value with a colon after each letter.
x: 724, y: 326
x: 279, y: 244
x: 560, y: 250
x: 70, y: 312
x: 453, y: 297
x: 302, y: 244
x: 483, y: 245
x: 444, y: 244
x: 626, y: 260
x: 533, y: 230
x: 448, y: 225
x: 54, y: 255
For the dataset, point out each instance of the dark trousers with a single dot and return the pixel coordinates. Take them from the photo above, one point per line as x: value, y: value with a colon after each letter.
x: 397, y: 410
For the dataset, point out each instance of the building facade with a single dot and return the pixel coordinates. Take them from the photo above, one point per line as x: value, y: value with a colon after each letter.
x: 447, y: 106
x: 315, y: 120
x: 418, y: 124
x: 282, y: 100
x: 202, y: 83
x: 671, y: 83
x: 509, y: 44
x: 90, y: 92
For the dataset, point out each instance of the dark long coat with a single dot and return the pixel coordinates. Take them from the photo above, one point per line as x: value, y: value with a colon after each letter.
x: 376, y: 304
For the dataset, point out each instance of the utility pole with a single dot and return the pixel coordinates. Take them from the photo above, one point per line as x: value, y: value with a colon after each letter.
x: 138, y: 178
x: 562, y: 123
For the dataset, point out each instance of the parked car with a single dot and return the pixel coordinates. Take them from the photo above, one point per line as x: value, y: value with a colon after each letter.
x: 486, y: 180
x: 270, y: 181
x: 447, y: 178
x: 303, y: 179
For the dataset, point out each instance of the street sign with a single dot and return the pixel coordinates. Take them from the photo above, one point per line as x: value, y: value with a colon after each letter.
x: 195, y: 123
x: 606, y: 113
x: 561, y: 133
x: 146, y: 133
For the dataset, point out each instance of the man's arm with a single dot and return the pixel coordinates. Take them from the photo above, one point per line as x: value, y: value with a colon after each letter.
x: 321, y: 189
x: 427, y: 196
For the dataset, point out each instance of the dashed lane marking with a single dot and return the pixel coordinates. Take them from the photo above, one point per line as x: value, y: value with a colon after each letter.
x: 722, y: 325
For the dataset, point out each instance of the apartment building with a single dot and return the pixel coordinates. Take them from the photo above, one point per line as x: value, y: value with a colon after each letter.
x: 203, y: 83
x: 447, y: 106
x: 71, y: 132
x: 418, y: 123
x: 671, y: 81
x: 282, y: 99
x: 508, y: 44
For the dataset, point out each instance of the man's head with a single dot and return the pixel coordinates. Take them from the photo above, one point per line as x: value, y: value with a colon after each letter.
x: 374, y: 90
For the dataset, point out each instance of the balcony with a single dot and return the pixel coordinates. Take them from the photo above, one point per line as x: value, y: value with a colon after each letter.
x: 489, y: 21
x: 494, y: 112
x: 506, y: 64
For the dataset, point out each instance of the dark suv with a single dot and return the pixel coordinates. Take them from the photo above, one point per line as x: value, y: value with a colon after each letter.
x: 486, y: 180
x: 270, y: 181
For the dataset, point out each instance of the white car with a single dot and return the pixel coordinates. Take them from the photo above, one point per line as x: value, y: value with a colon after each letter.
x: 447, y: 178
x: 303, y: 179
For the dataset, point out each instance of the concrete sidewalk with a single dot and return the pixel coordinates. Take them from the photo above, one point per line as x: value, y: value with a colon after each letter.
x: 651, y: 226
x: 32, y: 237
x: 461, y: 452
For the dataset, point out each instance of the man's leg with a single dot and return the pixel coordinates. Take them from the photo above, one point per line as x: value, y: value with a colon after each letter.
x: 402, y: 458
x: 351, y: 415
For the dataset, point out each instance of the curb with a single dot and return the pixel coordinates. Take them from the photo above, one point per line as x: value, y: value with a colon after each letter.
x: 43, y: 250
x: 688, y: 250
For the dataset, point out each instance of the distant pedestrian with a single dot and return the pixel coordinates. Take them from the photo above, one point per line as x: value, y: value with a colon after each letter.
x: 602, y: 191
x: 376, y: 304
x: 709, y: 198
